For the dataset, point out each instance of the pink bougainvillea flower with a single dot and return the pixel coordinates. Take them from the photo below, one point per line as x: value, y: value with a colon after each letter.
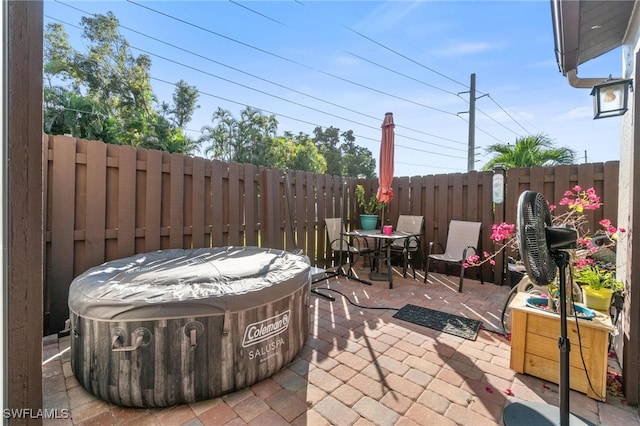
x: 582, y: 262
x: 502, y: 231
x: 509, y: 392
x: 576, y: 202
x: 488, y: 389
x: 584, y: 241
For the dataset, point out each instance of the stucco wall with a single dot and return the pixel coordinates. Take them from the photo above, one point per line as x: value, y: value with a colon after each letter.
x: 627, y: 342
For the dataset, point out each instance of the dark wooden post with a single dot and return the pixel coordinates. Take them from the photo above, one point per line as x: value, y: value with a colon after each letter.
x: 23, y: 202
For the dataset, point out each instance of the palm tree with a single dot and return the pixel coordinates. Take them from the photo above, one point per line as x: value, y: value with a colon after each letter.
x: 529, y: 151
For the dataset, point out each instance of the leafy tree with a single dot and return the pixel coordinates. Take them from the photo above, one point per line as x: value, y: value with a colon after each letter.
x: 112, y: 74
x: 255, y: 132
x: 356, y: 160
x: 303, y: 154
x: 57, y: 53
x: 113, y: 88
x: 252, y: 139
x: 244, y: 141
x: 343, y: 158
x: 328, y: 143
x: 184, y: 103
x: 529, y: 151
x: 218, y: 138
x: 68, y: 112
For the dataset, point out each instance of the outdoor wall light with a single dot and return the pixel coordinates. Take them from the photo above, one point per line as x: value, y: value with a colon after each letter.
x: 610, y: 98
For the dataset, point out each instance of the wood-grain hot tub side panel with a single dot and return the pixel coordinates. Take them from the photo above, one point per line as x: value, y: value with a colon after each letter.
x: 228, y: 354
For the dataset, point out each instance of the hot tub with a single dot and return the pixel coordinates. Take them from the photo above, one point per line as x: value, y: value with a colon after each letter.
x: 177, y: 326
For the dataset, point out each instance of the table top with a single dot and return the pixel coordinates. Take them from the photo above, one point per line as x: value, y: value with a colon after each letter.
x: 376, y: 233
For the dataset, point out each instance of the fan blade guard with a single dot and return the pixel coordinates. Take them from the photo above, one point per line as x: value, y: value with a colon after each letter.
x: 534, y: 217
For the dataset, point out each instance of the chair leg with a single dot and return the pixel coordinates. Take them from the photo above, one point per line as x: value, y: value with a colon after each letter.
x: 426, y: 270
x: 410, y: 264
x: 461, y: 278
x: 404, y: 264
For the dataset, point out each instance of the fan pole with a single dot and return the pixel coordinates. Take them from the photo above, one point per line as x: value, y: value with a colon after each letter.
x: 562, y: 260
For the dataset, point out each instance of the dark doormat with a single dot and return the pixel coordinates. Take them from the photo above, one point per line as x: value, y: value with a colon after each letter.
x: 441, y: 321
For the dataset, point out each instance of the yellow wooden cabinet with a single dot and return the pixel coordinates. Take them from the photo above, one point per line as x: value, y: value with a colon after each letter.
x: 534, y: 347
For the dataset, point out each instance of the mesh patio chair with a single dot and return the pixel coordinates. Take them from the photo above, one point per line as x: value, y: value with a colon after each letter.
x: 408, y: 248
x: 346, y: 250
x: 462, y: 242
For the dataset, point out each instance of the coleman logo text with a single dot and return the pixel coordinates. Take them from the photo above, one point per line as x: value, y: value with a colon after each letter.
x: 260, y: 331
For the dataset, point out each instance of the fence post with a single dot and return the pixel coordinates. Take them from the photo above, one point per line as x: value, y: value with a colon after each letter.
x: 499, y: 205
x: 270, y: 217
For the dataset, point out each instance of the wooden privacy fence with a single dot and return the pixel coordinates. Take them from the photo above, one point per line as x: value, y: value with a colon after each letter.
x: 105, y: 202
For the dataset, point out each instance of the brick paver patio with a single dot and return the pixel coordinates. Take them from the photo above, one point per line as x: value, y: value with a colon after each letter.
x: 360, y: 366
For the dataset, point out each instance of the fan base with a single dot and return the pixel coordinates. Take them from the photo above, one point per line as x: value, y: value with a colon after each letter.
x: 537, y: 414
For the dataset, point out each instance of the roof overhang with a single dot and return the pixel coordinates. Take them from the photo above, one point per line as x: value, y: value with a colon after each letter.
x: 586, y: 29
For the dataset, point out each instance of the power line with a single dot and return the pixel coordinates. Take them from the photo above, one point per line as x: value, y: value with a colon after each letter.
x: 483, y: 131
x: 258, y: 13
x: 427, y: 165
x: 266, y: 80
x: 276, y: 96
x: 101, y: 115
x: 278, y: 114
x: 200, y: 131
x: 291, y: 60
x: 307, y: 122
x: 506, y: 112
x: 496, y: 121
x: 332, y: 75
x: 406, y: 57
x: 288, y: 88
x: 509, y: 115
x: 381, y: 66
x: 401, y: 74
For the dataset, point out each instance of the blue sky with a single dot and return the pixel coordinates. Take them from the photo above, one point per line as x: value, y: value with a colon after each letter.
x: 345, y: 63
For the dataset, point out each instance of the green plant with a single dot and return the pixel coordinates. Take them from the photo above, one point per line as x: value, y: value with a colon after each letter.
x: 598, y: 278
x: 370, y: 206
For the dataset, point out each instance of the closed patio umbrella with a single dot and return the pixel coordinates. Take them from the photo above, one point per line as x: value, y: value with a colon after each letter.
x: 385, y: 178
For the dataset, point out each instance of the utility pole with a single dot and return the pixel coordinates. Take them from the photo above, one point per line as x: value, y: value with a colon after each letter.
x: 471, y: 155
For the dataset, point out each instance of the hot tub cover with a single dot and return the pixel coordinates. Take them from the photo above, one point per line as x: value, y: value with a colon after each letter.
x: 177, y: 283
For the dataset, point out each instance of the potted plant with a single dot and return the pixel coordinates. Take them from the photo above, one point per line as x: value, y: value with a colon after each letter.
x: 370, y: 209
x: 598, y: 286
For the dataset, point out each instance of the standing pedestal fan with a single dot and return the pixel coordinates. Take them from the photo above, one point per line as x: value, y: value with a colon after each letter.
x: 543, y: 250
